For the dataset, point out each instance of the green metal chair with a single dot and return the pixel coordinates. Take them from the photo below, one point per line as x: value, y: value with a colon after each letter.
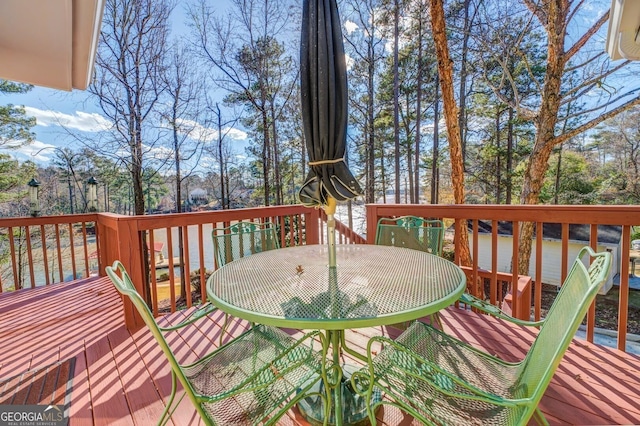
x: 495, y: 311
x: 411, y: 232
x: 239, y: 240
x: 428, y: 235
x: 253, y: 379
x: 415, y: 233
x: 242, y: 239
x: 439, y: 379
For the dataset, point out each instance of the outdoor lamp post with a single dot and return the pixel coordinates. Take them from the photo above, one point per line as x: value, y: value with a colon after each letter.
x: 33, y: 197
x: 92, y: 185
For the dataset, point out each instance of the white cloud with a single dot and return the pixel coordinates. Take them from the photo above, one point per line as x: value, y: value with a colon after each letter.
x: 349, y: 61
x: 199, y: 132
x: 36, y: 151
x: 350, y: 27
x: 83, y: 121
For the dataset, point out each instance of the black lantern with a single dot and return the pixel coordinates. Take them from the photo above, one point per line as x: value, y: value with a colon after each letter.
x: 33, y: 197
x: 92, y: 198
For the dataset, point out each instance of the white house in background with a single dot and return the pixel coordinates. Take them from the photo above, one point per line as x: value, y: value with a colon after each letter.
x: 198, y: 196
x: 608, y: 239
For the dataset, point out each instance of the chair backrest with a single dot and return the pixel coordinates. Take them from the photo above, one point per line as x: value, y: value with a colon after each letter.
x: 242, y: 239
x: 122, y: 281
x: 411, y: 232
x: 561, y: 323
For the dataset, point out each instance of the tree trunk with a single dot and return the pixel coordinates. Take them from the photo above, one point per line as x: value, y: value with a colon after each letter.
x: 276, y: 158
x: 266, y: 157
x: 545, y: 124
x: 462, y: 118
x: 419, y: 82
x: 445, y: 70
x: 556, y: 189
x: 436, y: 144
x: 509, y: 173
x: 396, y: 100
x: 498, y: 165
x: 224, y: 198
x: 369, y: 129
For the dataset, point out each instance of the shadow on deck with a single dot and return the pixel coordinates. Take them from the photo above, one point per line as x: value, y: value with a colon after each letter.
x: 121, y: 377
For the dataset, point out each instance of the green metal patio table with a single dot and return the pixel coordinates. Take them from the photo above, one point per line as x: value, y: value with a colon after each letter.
x: 370, y: 286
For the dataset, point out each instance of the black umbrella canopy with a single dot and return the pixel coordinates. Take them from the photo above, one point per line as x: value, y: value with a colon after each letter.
x: 323, y: 85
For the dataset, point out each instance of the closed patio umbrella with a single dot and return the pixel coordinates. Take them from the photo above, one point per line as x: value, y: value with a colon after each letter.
x: 323, y: 85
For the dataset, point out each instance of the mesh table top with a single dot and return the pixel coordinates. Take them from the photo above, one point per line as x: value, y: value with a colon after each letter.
x: 371, y: 285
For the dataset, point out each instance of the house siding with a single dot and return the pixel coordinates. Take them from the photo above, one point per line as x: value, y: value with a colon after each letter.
x: 551, y: 258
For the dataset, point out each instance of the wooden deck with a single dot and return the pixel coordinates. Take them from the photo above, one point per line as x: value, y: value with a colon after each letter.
x: 121, y: 377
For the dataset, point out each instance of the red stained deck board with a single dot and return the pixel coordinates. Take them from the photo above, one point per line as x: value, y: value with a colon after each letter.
x: 159, y: 372
x: 139, y: 390
x: 81, y: 411
x: 107, y: 396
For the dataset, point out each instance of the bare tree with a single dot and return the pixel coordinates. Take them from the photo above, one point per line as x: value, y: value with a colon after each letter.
x: 129, y: 68
x: 183, y: 90
x: 220, y: 150
x: 250, y: 63
x: 365, y: 44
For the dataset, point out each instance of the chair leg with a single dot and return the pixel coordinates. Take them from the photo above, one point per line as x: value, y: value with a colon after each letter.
x: 166, y: 414
x: 539, y: 417
x: 435, y: 321
x: 224, y: 328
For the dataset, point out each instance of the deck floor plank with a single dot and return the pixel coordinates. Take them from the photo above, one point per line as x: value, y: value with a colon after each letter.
x: 140, y: 392
x: 121, y: 377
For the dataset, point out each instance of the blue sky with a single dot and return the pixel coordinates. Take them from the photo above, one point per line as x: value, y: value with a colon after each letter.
x: 77, y: 111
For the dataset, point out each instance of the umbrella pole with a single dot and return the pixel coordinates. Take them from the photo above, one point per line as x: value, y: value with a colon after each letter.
x: 330, y: 210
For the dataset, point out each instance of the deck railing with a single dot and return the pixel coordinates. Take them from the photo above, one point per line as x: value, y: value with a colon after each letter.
x: 37, y: 251
x: 44, y: 250
x: 491, y: 245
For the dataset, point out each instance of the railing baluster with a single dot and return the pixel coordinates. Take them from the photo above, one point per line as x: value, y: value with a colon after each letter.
x: 12, y: 245
x: 623, y: 301
x: 565, y: 252
x: 478, y: 288
x: 185, y: 270
x: 203, y: 289
x: 538, y: 276
x: 86, y: 249
x: 494, y: 264
x: 172, y: 279
x: 59, y: 252
x: 45, y: 261
x: 153, y: 272
x: 73, y: 252
x: 515, y: 296
x: 32, y: 276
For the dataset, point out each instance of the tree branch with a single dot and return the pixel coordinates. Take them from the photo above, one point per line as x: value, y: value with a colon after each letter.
x: 589, y: 84
x: 589, y: 125
x: 536, y: 10
x: 585, y: 37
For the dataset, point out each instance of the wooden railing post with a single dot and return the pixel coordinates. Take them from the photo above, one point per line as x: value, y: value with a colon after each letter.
x: 120, y: 240
x: 372, y: 222
x: 312, y: 224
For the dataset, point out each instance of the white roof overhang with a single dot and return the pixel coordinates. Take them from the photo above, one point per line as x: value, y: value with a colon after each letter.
x: 49, y: 43
x: 623, y: 37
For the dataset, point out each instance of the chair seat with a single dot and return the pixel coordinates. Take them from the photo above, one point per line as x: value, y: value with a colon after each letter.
x: 442, y: 380
x: 396, y: 368
x: 253, y: 361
